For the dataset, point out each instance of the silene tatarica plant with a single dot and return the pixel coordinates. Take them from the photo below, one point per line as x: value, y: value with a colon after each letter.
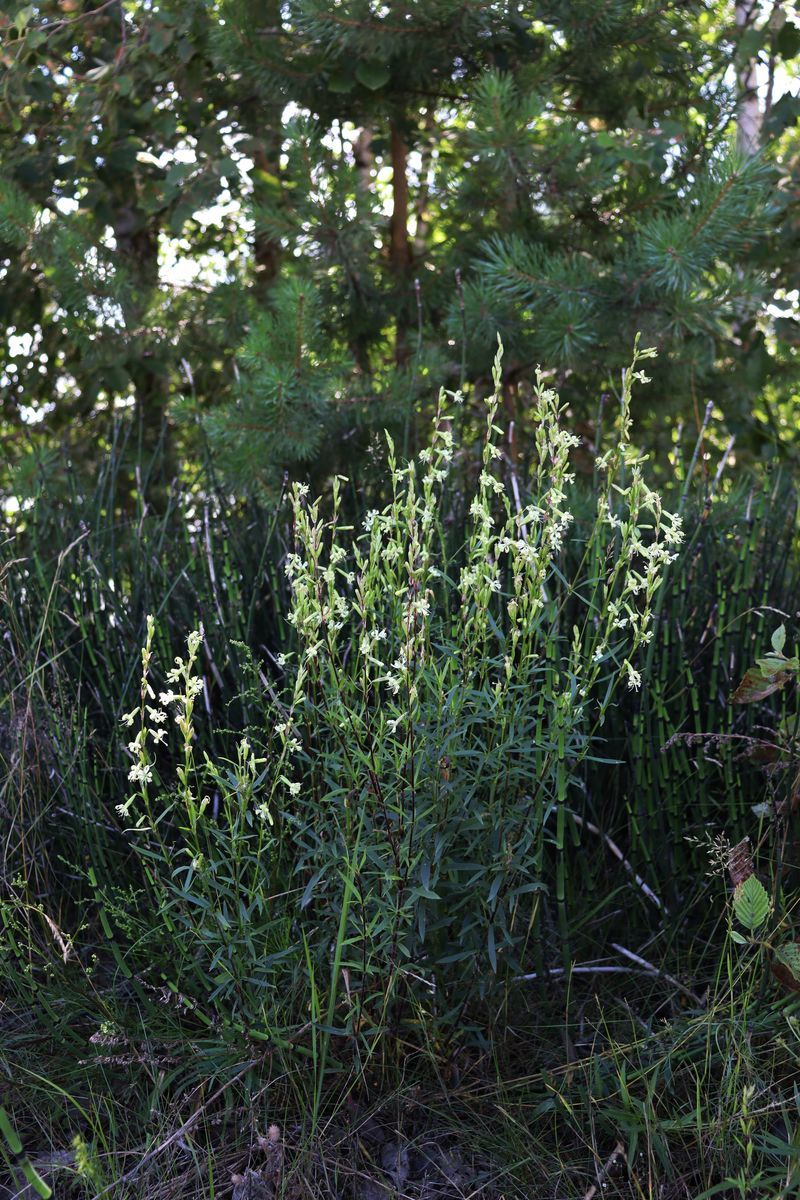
x: 401, y: 828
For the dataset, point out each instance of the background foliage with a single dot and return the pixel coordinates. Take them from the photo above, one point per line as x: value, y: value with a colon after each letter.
x: 264, y: 228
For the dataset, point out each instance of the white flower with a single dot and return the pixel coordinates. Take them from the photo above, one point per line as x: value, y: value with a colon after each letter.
x: 156, y: 714
x: 158, y: 735
x: 294, y: 788
x: 129, y: 717
x: 421, y: 606
x: 140, y: 773
x: 634, y: 678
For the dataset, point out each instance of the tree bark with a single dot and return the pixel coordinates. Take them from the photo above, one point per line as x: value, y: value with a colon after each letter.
x: 748, y: 131
x: 399, y: 243
x: 136, y: 235
x: 364, y: 158
x: 267, y: 251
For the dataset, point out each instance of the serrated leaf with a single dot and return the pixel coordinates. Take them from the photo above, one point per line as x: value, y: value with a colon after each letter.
x: 751, y: 903
x: 779, y: 639
x: 789, y: 955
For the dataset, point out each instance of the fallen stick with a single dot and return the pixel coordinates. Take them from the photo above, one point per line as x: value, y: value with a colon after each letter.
x: 615, y: 850
x: 653, y: 970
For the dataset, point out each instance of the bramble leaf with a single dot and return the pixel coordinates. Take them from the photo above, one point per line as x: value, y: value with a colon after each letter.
x: 751, y: 903
x: 789, y: 955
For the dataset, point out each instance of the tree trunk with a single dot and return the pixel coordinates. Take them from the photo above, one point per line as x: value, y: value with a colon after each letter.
x: 364, y: 158
x: 748, y: 131
x: 264, y: 121
x: 267, y: 250
x: 399, y: 243
x: 136, y: 237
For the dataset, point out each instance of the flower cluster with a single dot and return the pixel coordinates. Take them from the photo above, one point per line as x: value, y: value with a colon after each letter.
x: 152, y: 719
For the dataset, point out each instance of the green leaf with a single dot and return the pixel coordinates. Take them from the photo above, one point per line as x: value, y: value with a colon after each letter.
x: 186, y: 50
x: 751, y: 903
x: 491, y: 947
x: 24, y: 17
x: 373, y: 75
x: 226, y: 167
x: 787, y: 43
x: 738, y: 938
x: 779, y: 639
x: 341, y: 81
x: 97, y: 74
x: 789, y: 955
